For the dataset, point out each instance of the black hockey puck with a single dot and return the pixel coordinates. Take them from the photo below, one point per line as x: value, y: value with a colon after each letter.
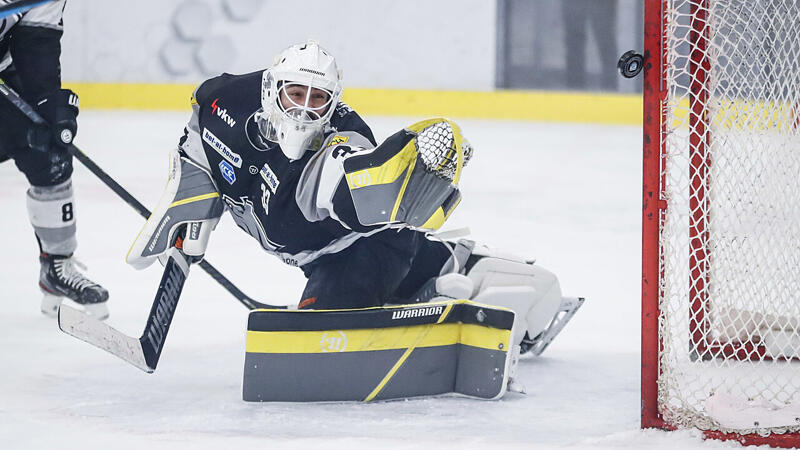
x: 630, y: 64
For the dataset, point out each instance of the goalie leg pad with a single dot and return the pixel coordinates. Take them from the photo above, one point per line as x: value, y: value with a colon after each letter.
x: 378, y: 353
x: 191, y: 199
x: 502, y: 279
x: 531, y: 291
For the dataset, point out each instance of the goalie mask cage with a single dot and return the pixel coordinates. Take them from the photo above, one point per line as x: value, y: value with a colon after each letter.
x: 721, y: 219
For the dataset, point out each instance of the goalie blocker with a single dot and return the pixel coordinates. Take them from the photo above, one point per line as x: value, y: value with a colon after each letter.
x: 189, y: 209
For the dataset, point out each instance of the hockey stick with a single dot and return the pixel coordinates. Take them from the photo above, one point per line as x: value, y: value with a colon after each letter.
x: 31, y: 114
x: 145, y: 351
x: 20, y: 6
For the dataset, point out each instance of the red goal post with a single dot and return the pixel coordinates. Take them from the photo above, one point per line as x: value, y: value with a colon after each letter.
x: 721, y: 219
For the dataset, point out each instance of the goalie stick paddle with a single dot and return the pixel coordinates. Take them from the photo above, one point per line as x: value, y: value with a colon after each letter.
x: 34, y: 117
x: 20, y: 6
x: 145, y: 351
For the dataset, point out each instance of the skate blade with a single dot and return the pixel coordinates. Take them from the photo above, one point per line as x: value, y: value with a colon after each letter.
x: 50, y: 304
x: 97, y: 310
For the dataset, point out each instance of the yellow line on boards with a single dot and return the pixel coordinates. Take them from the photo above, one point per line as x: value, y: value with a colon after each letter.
x: 136, y: 96
x: 545, y: 106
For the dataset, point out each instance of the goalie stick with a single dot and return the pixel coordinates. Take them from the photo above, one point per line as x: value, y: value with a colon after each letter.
x: 20, y: 6
x: 7, y: 93
x: 145, y: 351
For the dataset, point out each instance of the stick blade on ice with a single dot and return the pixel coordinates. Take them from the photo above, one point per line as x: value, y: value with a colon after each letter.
x: 99, y: 334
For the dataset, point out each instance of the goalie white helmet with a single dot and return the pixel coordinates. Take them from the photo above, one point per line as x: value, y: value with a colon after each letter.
x: 298, y: 96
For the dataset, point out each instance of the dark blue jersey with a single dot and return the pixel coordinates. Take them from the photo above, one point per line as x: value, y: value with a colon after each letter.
x: 297, y: 209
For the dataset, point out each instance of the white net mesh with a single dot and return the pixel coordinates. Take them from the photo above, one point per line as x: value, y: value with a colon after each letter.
x: 730, y: 232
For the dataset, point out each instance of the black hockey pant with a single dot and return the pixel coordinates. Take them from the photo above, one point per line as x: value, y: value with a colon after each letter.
x: 387, y: 267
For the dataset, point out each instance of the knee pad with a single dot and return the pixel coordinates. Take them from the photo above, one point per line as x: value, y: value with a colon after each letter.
x: 189, y: 209
x: 51, y: 210
x: 503, y: 279
x: 49, y: 168
x: 531, y: 291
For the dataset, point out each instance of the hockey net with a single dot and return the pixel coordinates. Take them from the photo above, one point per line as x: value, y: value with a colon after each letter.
x: 722, y: 216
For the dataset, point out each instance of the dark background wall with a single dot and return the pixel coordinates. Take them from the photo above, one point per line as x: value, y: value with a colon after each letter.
x: 570, y: 45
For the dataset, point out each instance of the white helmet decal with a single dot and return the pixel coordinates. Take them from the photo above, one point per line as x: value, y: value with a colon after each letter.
x: 293, y: 122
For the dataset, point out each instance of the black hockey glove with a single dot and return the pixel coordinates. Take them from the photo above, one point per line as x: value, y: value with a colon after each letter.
x: 60, y: 110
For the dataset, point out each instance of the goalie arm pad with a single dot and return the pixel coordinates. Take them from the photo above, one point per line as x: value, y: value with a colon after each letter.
x: 322, y: 190
x: 190, y: 198
x: 411, y: 178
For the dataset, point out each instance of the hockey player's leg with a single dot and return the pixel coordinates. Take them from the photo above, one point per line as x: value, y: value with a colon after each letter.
x: 50, y: 204
x: 364, y: 274
x: 51, y: 210
x: 187, y: 212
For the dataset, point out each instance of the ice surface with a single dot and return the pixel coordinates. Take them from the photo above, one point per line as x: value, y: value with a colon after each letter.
x: 568, y: 195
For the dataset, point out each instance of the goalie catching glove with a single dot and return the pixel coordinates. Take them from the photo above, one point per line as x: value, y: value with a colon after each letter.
x: 412, y: 177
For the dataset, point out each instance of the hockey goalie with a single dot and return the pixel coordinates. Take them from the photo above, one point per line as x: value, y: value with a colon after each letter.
x: 389, y: 309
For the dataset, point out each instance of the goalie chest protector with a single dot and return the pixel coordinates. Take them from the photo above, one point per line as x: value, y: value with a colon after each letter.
x: 382, y: 353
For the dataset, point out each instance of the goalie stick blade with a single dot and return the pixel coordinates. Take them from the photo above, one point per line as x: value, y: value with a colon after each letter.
x: 145, y: 351
x: 88, y: 329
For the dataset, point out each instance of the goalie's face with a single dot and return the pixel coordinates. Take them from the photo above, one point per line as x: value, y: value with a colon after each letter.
x: 301, y: 97
x: 298, y: 114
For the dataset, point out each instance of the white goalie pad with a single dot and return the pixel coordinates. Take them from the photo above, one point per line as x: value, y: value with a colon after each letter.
x: 191, y: 199
x: 531, y: 291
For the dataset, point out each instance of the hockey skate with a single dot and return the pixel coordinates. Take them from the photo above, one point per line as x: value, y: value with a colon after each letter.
x: 60, y: 277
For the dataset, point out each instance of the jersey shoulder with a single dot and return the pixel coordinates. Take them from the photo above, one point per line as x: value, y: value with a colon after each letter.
x: 346, y: 118
x: 211, y: 88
